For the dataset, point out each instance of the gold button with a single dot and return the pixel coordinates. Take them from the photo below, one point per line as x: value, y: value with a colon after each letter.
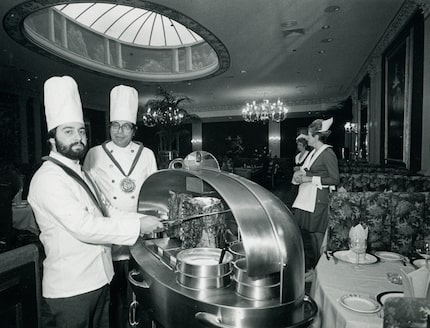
x: 132, y: 197
x: 113, y: 181
x: 114, y: 197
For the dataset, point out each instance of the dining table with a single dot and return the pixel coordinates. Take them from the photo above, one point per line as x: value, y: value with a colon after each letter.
x: 23, y: 217
x: 336, y: 279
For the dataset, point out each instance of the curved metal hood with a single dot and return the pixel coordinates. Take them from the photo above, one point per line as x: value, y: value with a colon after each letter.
x: 271, y: 238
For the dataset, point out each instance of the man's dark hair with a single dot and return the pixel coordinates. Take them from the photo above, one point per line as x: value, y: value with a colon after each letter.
x: 51, y: 134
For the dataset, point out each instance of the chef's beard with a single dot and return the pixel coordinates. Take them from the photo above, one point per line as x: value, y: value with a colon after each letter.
x: 67, y: 151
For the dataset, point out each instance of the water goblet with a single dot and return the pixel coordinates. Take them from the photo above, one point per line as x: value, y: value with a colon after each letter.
x: 422, y: 248
x: 358, y: 246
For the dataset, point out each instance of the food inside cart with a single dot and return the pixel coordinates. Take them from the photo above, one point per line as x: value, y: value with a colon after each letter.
x: 202, y: 231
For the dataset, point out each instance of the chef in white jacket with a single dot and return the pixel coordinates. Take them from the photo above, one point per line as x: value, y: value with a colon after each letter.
x: 77, y: 223
x: 120, y: 166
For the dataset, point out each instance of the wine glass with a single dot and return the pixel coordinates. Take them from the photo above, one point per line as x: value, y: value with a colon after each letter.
x: 422, y: 247
x: 358, y: 246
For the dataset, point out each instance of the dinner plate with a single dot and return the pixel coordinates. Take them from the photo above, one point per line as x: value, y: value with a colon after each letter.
x: 358, y: 303
x: 382, y: 297
x: 420, y: 263
x: 349, y: 256
x: 389, y: 256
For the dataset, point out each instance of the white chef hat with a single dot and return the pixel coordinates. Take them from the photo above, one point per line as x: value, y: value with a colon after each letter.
x: 302, y: 136
x: 62, y: 101
x: 326, y: 124
x: 123, y: 104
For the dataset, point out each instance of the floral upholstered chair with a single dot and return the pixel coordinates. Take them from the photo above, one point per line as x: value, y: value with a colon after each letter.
x: 395, y: 219
x: 344, y: 212
x: 375, y: 209
x: 406, y: 312
x: 407, y: 216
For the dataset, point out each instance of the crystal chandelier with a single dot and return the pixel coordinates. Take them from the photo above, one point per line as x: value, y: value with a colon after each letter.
x: 163, y: 116
x: 165, y: 111
x: 264, y: 111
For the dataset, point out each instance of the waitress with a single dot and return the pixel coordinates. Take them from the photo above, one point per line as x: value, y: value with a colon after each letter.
x: 318, y: 176
x: 299, y: 160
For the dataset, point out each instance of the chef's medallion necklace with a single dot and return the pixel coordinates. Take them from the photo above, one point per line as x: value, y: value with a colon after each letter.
x: 127, y: 184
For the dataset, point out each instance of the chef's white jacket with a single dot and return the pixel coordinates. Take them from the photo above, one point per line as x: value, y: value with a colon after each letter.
x: 76, y: 237
x: 108, y: 177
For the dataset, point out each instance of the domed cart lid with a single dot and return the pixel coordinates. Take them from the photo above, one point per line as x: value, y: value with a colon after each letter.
x: 270, y: 236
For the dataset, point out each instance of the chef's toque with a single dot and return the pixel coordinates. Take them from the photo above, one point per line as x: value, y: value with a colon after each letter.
x: 62, y: 102
x: 123, y: 104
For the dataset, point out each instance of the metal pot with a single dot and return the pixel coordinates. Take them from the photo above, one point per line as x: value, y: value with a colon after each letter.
x: 256, y: 293
x: 203, y: 262
x: 199, y: 283
x: 241, y: 276
x: 237, y: 250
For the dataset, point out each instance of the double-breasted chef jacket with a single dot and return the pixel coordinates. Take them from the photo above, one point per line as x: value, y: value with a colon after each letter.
x: 77, y: 238
x: 108, y: 177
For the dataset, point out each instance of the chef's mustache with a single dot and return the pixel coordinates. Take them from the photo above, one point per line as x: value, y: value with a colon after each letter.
x: 78, y: 143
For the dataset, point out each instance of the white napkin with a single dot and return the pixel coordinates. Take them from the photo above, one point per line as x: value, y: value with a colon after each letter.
x: 358, y: 232
x: 416, y: 283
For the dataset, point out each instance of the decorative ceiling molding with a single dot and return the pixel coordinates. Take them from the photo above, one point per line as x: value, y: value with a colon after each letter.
x: 14, y: 19
x: 372, y: 64
x: 374, y: 67
x: 424, y: 5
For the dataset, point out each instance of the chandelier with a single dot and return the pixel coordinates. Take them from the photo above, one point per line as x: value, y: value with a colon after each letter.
x: 264, y: 111
x: 165, y: 111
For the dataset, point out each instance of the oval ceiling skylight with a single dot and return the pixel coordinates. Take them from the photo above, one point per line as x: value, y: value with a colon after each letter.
x: 140, y: 42
x: 130, y: 25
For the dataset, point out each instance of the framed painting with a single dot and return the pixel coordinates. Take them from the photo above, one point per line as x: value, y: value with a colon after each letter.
x: 398, y: 100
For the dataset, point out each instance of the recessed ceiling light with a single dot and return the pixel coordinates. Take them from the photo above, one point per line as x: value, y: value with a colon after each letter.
x: 242, y: 71
x: 322, y: 51
x: 189, y: 83
x: 325, y: 27
x: 327, y: 40
x: 319, y: 69
x: 332, y: 9
x: 289, y: 24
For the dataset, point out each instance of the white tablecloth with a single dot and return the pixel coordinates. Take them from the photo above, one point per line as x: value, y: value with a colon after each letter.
x: 332, y: 280
x: 23, y: 218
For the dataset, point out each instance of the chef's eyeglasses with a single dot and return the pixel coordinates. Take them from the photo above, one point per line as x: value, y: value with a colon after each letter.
x: 126, y: 127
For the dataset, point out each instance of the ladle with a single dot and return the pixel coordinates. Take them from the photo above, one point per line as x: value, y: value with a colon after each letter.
x: 223, y: 251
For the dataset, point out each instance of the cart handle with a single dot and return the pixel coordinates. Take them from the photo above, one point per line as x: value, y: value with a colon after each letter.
x: 214, y: 322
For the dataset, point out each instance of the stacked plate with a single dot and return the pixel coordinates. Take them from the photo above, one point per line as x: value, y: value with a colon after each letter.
x: 382, y: 297
x: 359, y: 303
x: 389, y: 256
x: 350, y: 257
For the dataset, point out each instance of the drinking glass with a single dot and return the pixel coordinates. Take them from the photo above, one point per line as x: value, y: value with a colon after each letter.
x: 422, y: 247
x: 358, y: 246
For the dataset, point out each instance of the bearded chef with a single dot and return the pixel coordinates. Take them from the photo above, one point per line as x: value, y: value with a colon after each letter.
x: 77, y: 223
x: 120, y: 166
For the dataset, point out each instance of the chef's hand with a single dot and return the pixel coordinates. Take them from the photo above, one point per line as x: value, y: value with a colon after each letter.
x: 149, y: 224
